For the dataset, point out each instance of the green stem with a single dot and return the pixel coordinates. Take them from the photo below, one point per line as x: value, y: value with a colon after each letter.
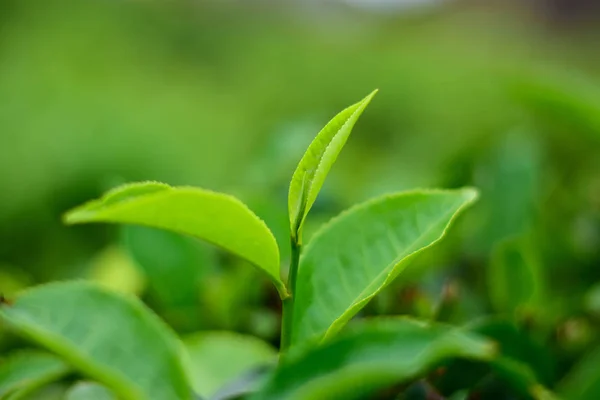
x: 288, y: 304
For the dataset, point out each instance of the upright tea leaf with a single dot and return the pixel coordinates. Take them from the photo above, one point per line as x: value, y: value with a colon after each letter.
x: 361, y: 251
x: 215, y: 217
x: 217, y: 358
x: 28, y: 369
x: 375, y: 354
x: 317, y: 161
x: 89, y: 391
x: 514, y: 278
x: 110, y: 338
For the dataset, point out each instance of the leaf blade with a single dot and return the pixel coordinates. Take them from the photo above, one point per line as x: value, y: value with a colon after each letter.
x: 89, y: 391
x: 372, y: 355
x: 310, y: 174
x: 515, y: 279
x: 218, y: 357
x: 217, y: 218
x: 400, y: 226
x: 76, y: 320
x: 29, y: 369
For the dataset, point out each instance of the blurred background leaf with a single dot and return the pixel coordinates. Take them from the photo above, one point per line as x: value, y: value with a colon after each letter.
x: 227, y: 95
x: 216, y: 359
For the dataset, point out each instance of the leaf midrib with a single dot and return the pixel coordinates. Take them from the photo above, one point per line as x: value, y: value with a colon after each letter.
x: 322, y: 157
x: 66, y: 350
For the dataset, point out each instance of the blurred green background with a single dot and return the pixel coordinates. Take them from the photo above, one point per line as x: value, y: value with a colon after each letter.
x: 226, y: 95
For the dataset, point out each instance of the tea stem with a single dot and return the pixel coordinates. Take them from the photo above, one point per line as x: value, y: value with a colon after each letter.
x: 288, y: 304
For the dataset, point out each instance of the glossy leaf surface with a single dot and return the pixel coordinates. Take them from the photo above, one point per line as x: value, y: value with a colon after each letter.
x: 373, y: 355
x: 111, y: 338
x: 317, y: 161
x: 27, y: 369
x: 364, y: 249
x: 216, y: 358
x: 215, y: 217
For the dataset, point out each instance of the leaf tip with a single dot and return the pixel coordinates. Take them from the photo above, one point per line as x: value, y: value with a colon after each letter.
x: 85, y: 212
x: 369, y: 97
x: 74, y: 216
x: 471, y: 194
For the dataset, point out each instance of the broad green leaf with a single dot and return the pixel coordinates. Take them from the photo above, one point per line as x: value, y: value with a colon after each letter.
x: 215, y: 217
x: 111, y: 338
x: 373, y: 355
x: 89, y: 391
x: 216, y: 358
x: 53, y: 391
x: 583, y: 381
x: 364, y: 249
x: 317, y: 161
x: 26, y: 370
x: 514, y: 278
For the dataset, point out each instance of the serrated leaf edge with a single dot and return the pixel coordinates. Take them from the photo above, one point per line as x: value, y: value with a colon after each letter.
x: 358, y: 303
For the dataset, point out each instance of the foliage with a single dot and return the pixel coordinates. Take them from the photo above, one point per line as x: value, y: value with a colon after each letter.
x: 117, y: 347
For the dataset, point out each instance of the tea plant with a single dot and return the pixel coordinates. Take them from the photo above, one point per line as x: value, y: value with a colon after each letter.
x: 123, y: 350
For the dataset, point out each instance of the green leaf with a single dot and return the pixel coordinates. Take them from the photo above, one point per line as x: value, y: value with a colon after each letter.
x: 52, y: 391
x: 358, y: 253
x: 373, y: 355
x: 27, y: 370
x: 583, y: 381
x: 89, y: 391
x: 518, y: 345
x: 510, y: 175
x: 521, y: 378
x: 562, y: 101
x: 514, y: 278
x: 521, y: 367
x: 317, y: 161
x: 216, y: 358
x: 174, y: 264
x: 111, y: 338
x: 215, y: 217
